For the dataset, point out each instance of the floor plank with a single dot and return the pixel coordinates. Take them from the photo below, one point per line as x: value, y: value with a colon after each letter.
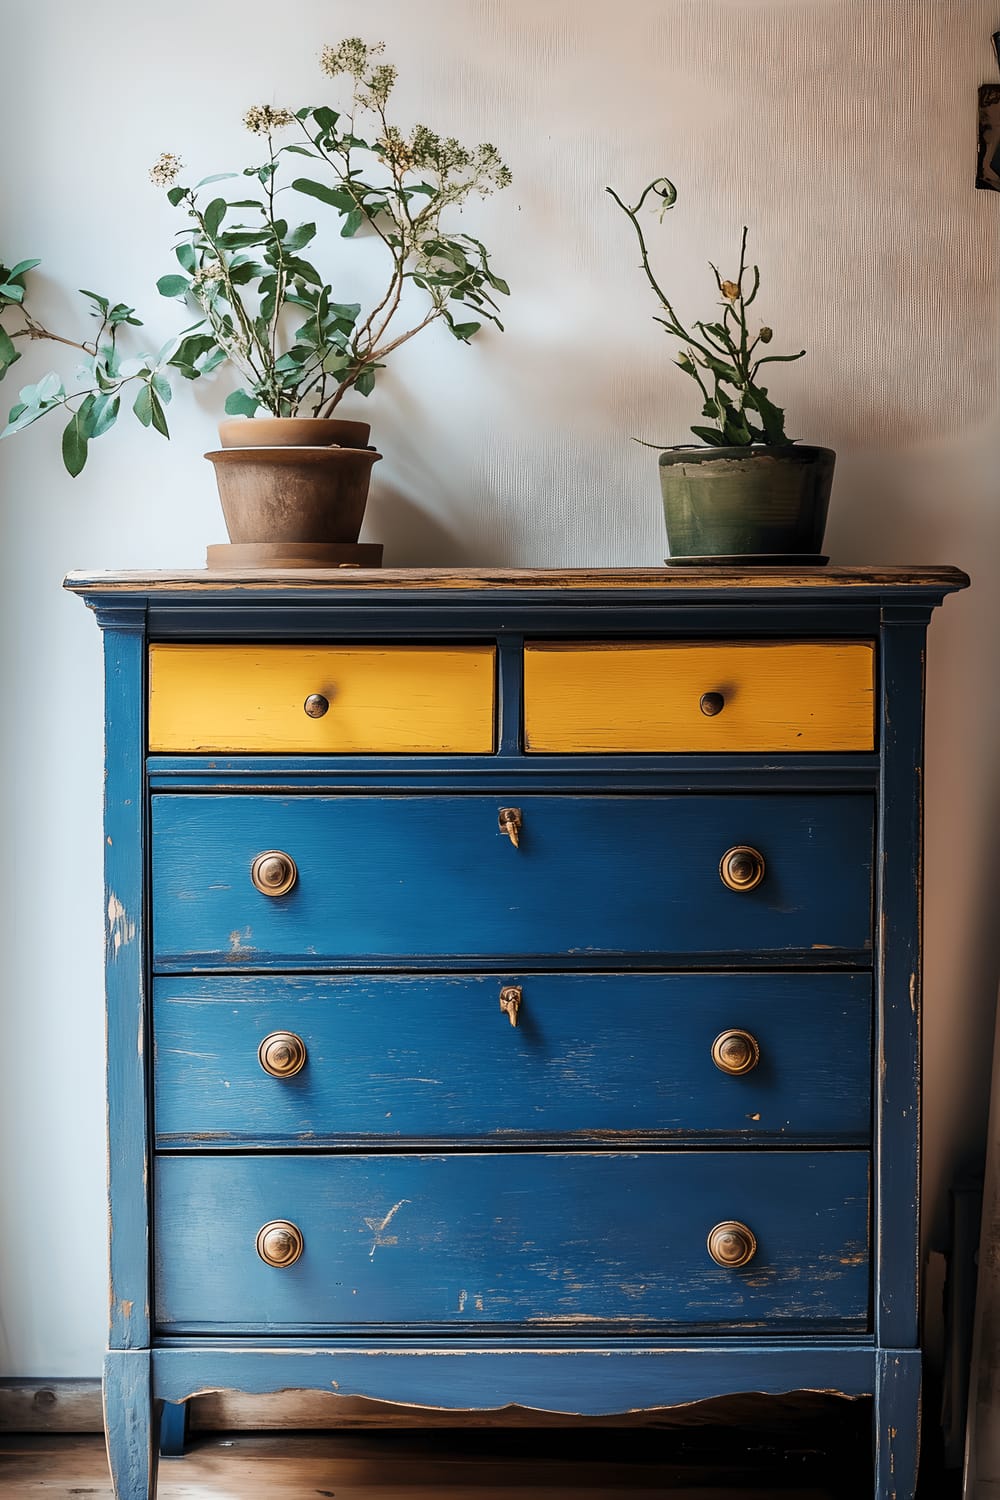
x: 475, y: 1466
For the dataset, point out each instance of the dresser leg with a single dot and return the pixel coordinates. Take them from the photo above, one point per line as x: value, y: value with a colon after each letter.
x: 173, y: 1429
x: 131, y: 1423
x: 896, y: 1422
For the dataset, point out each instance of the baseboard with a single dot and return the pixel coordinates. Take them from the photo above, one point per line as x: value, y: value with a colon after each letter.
x: 75, y: 1406
x: 50, y: 1406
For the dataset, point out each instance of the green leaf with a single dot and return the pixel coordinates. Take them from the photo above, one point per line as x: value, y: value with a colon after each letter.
x: 299, y: 238
x: 214, y: 215
x: 16, y: 272
x: 74, y: 439
x: 352, y: 223
x: 772, y: 417
x: 464, y: 331
x: 365, y: 383
x: 712, y: 436
x: 186, y: 258
x: 161, y: 387
x: 239, y: 239
x: 157, y: 412
x: 8, y: 354
x: 175, y: 195
x: 143, y: 405
x: 217, y: 177
x: 338, y: 198
x: 172, y: 286
x: 11, y: 292
x: 300, y: 151
x: 103, y: 415
x: 122, y: 314
x: 325, y: 118
x: 239, y: 404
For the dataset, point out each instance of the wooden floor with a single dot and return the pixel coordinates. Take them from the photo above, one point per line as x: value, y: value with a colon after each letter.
x: 408, y: 1466
x: 584, y: 1463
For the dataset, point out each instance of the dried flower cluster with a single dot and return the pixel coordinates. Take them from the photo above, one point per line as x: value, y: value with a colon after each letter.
x: 262, y: 119
x: 166, y: 169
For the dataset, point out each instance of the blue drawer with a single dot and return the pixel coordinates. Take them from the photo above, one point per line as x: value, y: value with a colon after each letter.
x: 575, y: 1240
x: 388, y: 879
x: 433, y: 1058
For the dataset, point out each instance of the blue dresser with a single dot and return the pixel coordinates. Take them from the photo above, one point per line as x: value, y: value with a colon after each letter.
x: 513, y: 989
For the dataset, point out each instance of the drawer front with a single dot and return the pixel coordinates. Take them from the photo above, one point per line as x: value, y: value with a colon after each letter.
x: 413, y: 878
x: 510, y: 1238
x: 589, y: 697
x: 381, y: 699
x: 435, y: 1058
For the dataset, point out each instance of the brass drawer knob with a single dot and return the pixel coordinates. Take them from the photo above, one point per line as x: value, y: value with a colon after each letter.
x: 282, y: 1054
x: 510, y: 821
x: 735, y: 1052
x: 273, y: 872
x: 316, y: 705
x: 742, y: 868
x: 279, y: 1243
x: 510, y: 1002
x: 732, y: 1245
x: 711, y: 704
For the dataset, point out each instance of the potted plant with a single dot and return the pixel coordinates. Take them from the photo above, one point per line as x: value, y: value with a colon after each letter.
x: 750, y: 492
x: 300, y: 473
x: 291, y: 469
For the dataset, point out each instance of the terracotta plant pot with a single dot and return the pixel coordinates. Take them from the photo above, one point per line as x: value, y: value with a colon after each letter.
x: 293, y: 432
x: 293, y: 494
x: 746, y: 502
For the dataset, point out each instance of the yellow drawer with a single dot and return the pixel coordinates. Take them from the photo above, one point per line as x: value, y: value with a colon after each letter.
x: 381, y: 699
x: 583, y: 697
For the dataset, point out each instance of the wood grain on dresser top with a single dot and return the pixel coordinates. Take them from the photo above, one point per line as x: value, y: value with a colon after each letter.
x: 667, y: 580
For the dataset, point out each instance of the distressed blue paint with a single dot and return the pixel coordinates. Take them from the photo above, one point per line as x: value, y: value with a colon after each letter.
x: 594, y: 1380
x: 383, y: 878
x: 508, y: 1238
x: 508, y: 771
x: 896, y: 1423
x: 615, y: 895
x: 125, y: 979
x: 131, y: 1422
x: 898, y: 978
x: 173, y: 1429
x: 433, y: 1058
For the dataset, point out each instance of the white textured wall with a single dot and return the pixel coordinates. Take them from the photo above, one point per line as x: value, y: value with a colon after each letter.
x: 842, y: 131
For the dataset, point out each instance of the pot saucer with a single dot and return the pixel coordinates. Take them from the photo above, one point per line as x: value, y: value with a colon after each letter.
x: 751, y: 560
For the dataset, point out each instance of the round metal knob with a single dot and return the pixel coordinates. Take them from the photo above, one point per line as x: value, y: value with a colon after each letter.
x: 742, y: 868
x: 273, y: 872
x: 711, y: 704
x: 279, y: 1243
x: 282, y: 1054
x: 735, y: 1052
x: 316, y: 705
x: 732, y: 1245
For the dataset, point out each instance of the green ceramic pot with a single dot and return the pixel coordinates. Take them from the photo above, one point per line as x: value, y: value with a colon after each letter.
x: 734, y: 502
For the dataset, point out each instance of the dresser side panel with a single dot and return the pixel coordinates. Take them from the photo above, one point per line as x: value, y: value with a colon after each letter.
x: 898, y: 980
x: 125, y: 986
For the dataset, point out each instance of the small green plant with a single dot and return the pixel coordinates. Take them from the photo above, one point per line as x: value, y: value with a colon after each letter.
x: 101, y: 379
x: 242, y: 260
x: 722, y: 356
